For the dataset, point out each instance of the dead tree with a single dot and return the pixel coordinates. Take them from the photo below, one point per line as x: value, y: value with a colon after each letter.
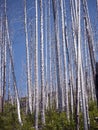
x: 36, y: 67
x: 42, y: 64
x: 27, y: 60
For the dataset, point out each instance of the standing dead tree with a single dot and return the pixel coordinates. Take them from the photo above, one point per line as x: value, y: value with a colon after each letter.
x: 42, y: 64
x: 57, y: 48
x: 27, y: 60
x: 36, y: 67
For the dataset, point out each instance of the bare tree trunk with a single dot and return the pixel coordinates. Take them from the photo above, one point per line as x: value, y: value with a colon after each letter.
x: 12, y: 64
x: 57, y: 48
x: 42, y: 65
x: 46, y: 49
x: 73, y: 19
x: 91, y: 45
x: 47, y: 93
x: 15, y: 85
x: 4, y: 62
x: 14, y: 78
x: 33, y: 97
x: 9, y: 83
x: 1, y: 64
x: 55, y: 78
x: 50, y: 51
x: 81, y: 82
x: 32, y: 63
x: 79, y: 64
x: 27, y: 60
x: 97, y: 5
x: 86, y: 76
x: 36, y: 67
x: 65, y: 60
x: 83, y: 98
x: 0, y: 84
x: 89, y: 36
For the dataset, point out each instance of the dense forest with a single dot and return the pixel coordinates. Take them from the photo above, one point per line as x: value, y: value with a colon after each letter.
x: 58, y: 89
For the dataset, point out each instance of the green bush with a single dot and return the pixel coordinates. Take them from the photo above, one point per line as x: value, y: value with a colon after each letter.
x: 57, y: 121
x: 54, y: 120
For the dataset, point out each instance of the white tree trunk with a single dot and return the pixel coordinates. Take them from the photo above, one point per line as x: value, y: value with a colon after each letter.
x: 65, y: 60
x: 79, y: 67
x: 1, y: 64
x: 9, y: 82
x: 83, y: 98
x: 42, y: 65
x: 13, y: 73
x: 27, y: 60
x: 36, y: 67
x: 46, y: 50
x: 50, y: 51
x: 89, y: 36
x: 4, y: 62
x: 73, y: 19
x: 56, y: 24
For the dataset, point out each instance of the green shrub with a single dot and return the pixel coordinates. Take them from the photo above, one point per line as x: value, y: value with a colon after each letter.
x: 54, y: 120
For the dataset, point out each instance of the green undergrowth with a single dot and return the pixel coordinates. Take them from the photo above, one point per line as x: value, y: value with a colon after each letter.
x: 54, y: 120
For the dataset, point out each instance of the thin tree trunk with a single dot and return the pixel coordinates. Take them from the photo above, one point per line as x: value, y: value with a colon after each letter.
x: 1, y: 64
x: 4, y: 64
x: 78, y: 55
x: 73, y: 19
x: 57, y: 48
x: 12, y: 65
x: 91, y: 47
x: 42, y: 65
x: 83, y: 99
x: 36, y: 67
x: 46, y: 49
x: 89, y: 36
x: 50, y: 51
x: 65, y: 59
x: 27, y: 60
x: 14, y: 78
x: 97, y: 6
x: 55, y: 79
x: 9, y: 83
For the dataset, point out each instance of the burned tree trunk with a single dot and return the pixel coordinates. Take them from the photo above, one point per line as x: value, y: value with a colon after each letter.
x: 27, y: 59
x: 42, y: 63
x: 97, y: 82
x: 36, y: 67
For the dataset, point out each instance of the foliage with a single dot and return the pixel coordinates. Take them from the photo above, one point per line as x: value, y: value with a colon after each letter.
x: 57, y: 121
x: 93, y: 112
x: 8, y: 119
x: 54, y: 120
